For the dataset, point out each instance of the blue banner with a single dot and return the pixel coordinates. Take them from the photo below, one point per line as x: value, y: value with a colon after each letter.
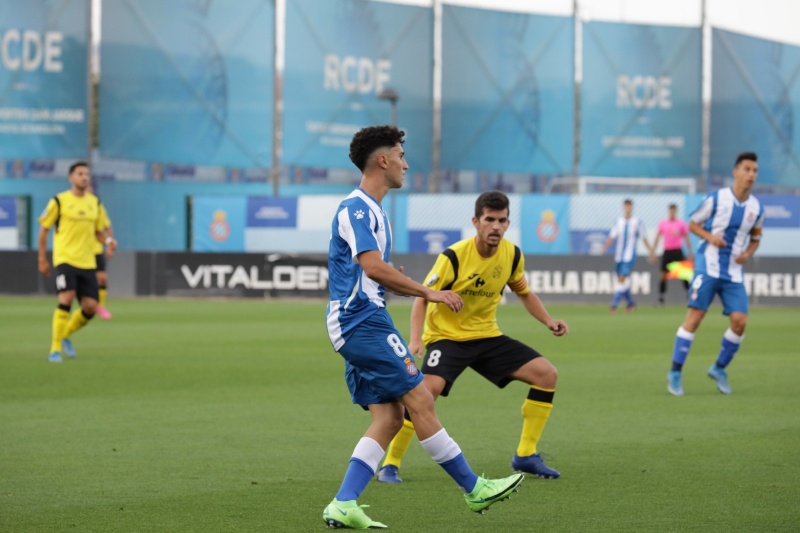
x: 269, y: 212
x: 43, y: 79
x: 8, y: 212
x: 641, y: 105
x: 188, y: 82
x: 342, y: 59
x: 218, y: 223
x: 544, y: 224
x: 755, y: 106
x: 780, y: 210
x: 432, y: 241
x: 507, y: 91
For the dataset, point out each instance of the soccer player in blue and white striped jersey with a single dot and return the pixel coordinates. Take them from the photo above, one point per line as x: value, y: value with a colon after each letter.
x: 626, y: 232
x: 729, y: 221
x: 379, y: 367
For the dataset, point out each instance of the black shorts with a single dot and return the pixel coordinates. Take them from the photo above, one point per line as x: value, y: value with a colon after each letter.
x: 101, y: 262
x: 82, y: 281
x: 495, y: 358
x: 670, y: 256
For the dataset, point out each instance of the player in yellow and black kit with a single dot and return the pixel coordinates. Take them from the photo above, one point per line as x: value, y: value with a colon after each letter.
x: 478, y: 269
x: 76, y: 216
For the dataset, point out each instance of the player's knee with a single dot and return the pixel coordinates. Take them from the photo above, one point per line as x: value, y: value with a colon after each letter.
x: 89, y: 308
x: 738, y: 323
x: 549, y: 377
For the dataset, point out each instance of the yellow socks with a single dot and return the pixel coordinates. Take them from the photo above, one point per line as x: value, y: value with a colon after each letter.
x: 60, y: 319
x: 102, y: 299
x: 535, y: 412
x: 399, y: 445
x: 76, y: 321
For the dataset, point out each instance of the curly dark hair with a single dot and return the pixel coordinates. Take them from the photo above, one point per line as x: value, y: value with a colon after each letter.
x: 494, y: 200
x: 369, y: 139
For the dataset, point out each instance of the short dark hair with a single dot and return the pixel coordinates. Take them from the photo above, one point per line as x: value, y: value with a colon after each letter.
x: 628, y: 201
x: 746, y: 156
x: 673, y: 206
x: 495, y: 200
x: 369, y: 139
x: 77, y: 164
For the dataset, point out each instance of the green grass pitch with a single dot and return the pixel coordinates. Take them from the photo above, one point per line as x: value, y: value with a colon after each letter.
x: 217, y: 416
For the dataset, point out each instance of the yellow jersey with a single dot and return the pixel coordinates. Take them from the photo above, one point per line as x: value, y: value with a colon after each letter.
x: 105, y: 223
x: 480, y: 282
x: 76, y: 219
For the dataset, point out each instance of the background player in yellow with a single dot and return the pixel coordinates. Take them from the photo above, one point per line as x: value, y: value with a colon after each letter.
x: 76, y: 216
x: 478, y: 269
x: 100, y: 259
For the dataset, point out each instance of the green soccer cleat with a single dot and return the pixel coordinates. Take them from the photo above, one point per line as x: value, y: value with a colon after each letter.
x: 490, y: 491
x: 349, y: 515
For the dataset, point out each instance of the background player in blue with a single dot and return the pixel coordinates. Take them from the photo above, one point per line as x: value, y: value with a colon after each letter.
x: 379, y: 368
x: 626, y: 232
x: 729, y: 221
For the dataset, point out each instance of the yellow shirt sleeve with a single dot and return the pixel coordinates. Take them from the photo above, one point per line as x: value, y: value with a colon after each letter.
x: 517, y: 281
x: 103, y: 222
x: 441, y: 274
x: 49, y: 215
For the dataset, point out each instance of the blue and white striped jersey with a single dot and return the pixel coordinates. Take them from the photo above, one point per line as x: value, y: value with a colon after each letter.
x: 721, y: 212
x: 360, y: 225
x: 626, y: 231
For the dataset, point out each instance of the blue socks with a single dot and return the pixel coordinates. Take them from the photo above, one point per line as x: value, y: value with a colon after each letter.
x: 355, y: 480
x: 683, y: 343
x: 360, y: 470
x: 730, y: 345
x: 460, y: 471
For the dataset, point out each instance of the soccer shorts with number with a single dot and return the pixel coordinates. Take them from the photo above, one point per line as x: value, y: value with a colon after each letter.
x: 732, y: 294
x: 82, y: 281
x: 379, y: 367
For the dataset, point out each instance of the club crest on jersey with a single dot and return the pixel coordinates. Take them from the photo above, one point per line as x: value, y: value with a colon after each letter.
x: 433, y: 279
x: 411, y: 366
x: 751, y: 216
x: 359, y: 214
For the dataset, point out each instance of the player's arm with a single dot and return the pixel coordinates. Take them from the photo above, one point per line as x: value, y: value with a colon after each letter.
x: 104, y: 233
x: 44, y: 264
x: 378, y: 270
x: 418, y: 310
x: 688, y: 240
x: 707, y: 236
x: 608, y: 244
x: 537, y: 310
x: 752, y: 246
x: 654, y: 249
x: 48, y: 218
x: 107, y: 238
x: 535, y: 307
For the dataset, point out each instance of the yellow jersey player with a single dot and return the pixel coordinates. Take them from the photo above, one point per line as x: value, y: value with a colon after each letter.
x: 100, y: 259
x: 478, y: 269
x: 76, y: 216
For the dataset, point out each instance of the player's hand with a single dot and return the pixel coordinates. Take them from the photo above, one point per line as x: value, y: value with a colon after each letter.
x: 415, y: 347
x: 742, y: 258
x: 449, y: 298
x: 111, y: 247
x: 44, y: 267
x: 558, y: 327
x: 652, y: 259
x: 717, y: 240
